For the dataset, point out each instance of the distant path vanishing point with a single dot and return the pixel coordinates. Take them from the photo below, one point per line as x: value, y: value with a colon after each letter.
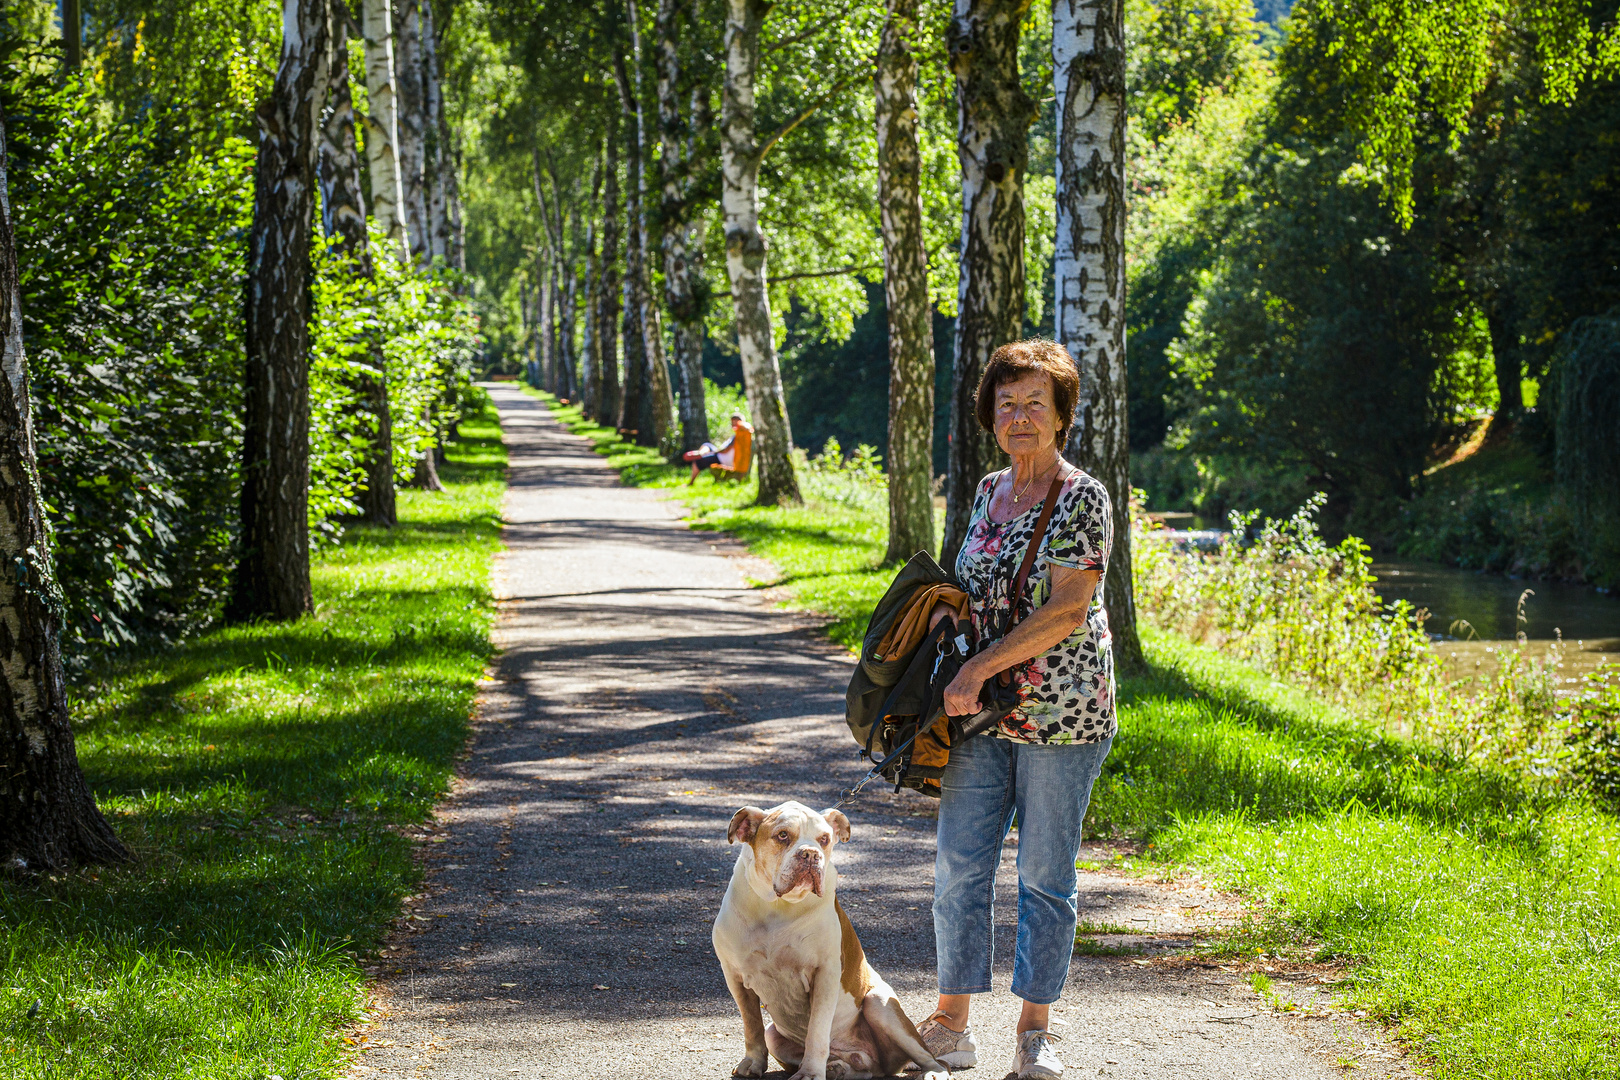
x: 642, y: 694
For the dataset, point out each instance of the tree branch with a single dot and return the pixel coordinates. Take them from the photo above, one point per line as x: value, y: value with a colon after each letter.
x: 807, y: 112
x: 801, y: 274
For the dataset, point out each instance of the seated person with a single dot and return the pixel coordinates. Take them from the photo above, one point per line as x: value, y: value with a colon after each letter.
x: 724, y: 455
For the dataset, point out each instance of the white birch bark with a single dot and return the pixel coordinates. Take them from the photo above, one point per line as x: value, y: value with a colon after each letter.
x: 658, y: 386
x: 905, y: 282
x: 382, y: 122
x: 1088, y: 73
x: 411, y: 100
x: 746, y: 254
x: 590, y: 360
x: 685, y: 290
x: 435, y: 144
x: 992, y: 144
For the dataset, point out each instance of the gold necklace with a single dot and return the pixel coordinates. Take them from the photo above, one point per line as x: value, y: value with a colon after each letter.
x: 1017, y: 495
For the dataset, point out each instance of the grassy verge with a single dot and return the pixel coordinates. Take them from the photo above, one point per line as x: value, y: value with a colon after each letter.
x: 265, y: 778
x: 1479, y: 913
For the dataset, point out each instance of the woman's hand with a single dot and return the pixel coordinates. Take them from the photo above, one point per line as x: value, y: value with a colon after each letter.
x: 962, y: 695
x: 940, y: 611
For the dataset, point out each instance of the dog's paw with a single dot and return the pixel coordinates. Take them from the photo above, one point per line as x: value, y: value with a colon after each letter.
x: 750, y: 1066
x: 937, y: 1074
x: 839, y: 1070
x: 805, y: 1074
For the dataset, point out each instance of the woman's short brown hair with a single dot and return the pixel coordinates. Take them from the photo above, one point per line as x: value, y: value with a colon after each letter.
x: 1020, y: 358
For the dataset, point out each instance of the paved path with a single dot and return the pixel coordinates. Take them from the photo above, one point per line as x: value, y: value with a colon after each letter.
x: 643, y: 693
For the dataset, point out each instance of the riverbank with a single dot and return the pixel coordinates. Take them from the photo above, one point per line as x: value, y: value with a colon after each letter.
x: 1492, y: 506
x: 1476, y: 909
x: 272, y: 782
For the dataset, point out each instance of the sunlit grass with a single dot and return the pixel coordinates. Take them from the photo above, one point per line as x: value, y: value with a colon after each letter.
x: 260, y: 776
x: 1477, y: 911
x: 1480, y: 915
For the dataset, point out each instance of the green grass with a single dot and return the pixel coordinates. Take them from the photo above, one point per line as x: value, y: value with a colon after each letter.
x: 263, y: 778
x: 1478, y: 913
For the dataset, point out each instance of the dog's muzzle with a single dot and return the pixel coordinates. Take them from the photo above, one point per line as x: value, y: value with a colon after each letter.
x: 804, y: 870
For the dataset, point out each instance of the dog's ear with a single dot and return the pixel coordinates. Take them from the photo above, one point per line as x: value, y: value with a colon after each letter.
x: 743, y: 824
x: 839, y: 823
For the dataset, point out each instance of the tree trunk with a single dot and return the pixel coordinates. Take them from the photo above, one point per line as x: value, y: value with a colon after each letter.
x: 745, y: 257
x: 1088, y: 72
x: 685, y: 289
x: 567, y: 346
x: 1509, y: 374
x: 382, y: 123
x: 412, y: 130
x: 272, y: 575
x: 548, y: 330
x: 660, y: 396
x: 635, y: 405
x: 590, y: 359
x: 48, y: 817
x: 458, y: 225
x: 72, y: 35
x: 607, y: 293
x: 992, y: 144
x: 905, y: 282
x: 426, y: 475
x: 343, y: 215
x: 435, y: 145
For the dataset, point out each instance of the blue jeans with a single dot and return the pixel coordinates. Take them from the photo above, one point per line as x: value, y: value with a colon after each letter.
x: 987, y: 782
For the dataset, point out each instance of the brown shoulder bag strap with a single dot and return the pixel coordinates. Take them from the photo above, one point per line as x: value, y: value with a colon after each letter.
x: 1022, y: 578
x: 1035, y: 539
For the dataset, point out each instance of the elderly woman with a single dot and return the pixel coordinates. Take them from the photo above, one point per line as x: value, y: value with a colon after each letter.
x: 1039, y: 765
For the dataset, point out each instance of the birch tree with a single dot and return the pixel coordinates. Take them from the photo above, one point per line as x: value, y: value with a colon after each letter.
x: 48, y: 817
x: 1088, y: 73
x: 660, y: 399
x: 686, y: 290
x: 412, y: 131
x: 272, y: 575
x: 993, y: 118
x: 905, y: 282
x: 590, y: 359
x: 436, y: 163
x: 607, y: 294
x: 740, y: 156
x: 343, y: 215
x: 382, y: 121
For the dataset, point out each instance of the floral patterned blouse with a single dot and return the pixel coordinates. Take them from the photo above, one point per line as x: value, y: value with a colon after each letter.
x: 1067, y: 693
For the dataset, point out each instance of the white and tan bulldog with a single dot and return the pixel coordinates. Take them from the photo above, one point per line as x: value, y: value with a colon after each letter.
x: 784, y: 941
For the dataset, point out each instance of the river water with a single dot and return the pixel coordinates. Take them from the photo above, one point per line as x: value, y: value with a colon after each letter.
x: 1472, y: 615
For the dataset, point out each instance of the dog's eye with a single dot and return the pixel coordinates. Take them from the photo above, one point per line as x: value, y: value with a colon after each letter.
x: 823, y: 839
x: 783, y: 836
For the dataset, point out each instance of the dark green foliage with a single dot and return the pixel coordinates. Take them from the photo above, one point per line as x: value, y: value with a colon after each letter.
x: 130, y: 251
x: 1589, y: 435
x: 838, y: 390
x: 1326, y: 338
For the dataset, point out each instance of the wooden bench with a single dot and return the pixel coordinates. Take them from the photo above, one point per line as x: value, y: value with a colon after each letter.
x: 742, y: 459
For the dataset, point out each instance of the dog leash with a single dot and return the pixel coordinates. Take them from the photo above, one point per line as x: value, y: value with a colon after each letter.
x: 874, y: 772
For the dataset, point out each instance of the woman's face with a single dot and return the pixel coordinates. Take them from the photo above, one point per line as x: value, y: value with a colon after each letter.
x: 1026, y: 414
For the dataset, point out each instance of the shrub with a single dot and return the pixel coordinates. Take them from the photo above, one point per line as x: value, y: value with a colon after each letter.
x: 428, y: 339
x: 130, y: 242
x: 856, y: 482
x: 1306, y: 611
x: 131, y: 278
